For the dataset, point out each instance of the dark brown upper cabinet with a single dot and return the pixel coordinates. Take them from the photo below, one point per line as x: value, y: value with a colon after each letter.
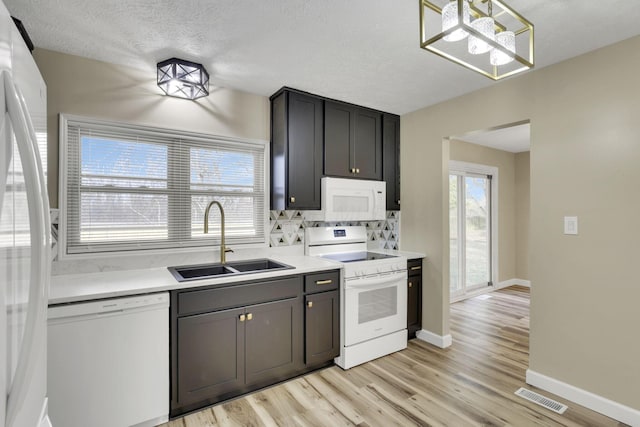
x: 352, y: 141
x: 312, y: 137
x: 391, y: 159
x: 297, y: 135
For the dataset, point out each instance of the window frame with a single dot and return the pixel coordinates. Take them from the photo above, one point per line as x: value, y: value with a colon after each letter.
x: 63, y: 182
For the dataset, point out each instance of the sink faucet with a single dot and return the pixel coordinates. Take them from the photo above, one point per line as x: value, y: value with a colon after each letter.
x: 223, y: 249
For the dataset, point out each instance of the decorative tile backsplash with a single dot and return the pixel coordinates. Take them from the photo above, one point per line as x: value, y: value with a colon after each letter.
x: 287, y: 229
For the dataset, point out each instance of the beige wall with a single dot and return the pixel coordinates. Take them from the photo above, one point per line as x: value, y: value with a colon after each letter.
x: 522, y: 195
x: 96, y: 89
x: 584, y: 162
x: 505, y: 162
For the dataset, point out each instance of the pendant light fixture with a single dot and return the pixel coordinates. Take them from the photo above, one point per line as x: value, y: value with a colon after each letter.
x: 450, y: 18
x: 183, y: 79
x: 466, y: 30
x: 484, y: 26
x: 506, y: 39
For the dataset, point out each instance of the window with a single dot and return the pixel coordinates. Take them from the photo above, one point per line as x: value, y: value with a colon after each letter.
x: 134, y: 188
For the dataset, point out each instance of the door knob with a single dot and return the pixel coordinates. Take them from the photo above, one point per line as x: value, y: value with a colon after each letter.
x: 309, y: 304
x: 410, y: 284
x: 242, y: 317
x: 292, y: 199
x: 249, y: 316
x: 357, y: 170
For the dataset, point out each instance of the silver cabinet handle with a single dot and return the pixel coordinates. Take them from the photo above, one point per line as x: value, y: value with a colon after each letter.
x: 324, y: 282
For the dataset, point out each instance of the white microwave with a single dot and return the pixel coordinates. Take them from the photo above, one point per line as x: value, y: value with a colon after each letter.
x: 350, y: 200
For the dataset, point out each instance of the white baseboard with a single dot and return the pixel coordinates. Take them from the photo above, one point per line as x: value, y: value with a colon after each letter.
x: 487, y: 289
x: 437, y: 340
x: 585, y: 398
x: 511, y: 282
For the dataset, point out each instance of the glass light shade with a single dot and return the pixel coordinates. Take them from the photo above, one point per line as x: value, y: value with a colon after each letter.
x: 506, y: 39
x: 450, y: 19
x: 183, y: 79
x: 484, y: 26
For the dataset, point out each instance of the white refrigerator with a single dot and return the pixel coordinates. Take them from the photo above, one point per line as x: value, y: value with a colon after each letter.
x: 25, y: 234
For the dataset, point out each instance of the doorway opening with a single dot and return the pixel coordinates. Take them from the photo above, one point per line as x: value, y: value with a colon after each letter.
x: 486, y: 252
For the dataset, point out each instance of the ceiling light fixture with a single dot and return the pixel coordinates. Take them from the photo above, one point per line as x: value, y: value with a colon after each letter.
x: 183, y: 79
x: 489, y: 26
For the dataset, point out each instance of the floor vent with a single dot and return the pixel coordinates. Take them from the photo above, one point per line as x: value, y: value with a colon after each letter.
x: 541, y: 400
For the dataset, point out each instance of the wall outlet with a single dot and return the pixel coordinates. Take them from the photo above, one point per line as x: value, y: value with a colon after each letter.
x: 570, y: 225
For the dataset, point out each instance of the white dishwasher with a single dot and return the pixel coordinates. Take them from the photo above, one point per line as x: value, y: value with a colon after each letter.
x: 108, y: 362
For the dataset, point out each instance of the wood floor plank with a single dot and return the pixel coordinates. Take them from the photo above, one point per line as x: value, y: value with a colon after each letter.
x: 471, y: 383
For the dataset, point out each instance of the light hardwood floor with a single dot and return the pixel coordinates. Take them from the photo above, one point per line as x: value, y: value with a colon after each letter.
x: 470, y: 383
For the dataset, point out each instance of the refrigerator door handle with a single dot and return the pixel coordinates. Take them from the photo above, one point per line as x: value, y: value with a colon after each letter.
x: 33, y: 340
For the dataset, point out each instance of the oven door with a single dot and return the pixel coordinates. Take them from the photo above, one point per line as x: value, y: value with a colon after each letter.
x: 374, y: 306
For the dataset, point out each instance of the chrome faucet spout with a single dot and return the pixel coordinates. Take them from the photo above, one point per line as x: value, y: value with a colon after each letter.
x: 223, y: 248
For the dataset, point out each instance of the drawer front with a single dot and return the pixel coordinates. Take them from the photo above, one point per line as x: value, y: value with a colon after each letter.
x: 320, y: 282
x: 201, y: 301
x: 414, y: 267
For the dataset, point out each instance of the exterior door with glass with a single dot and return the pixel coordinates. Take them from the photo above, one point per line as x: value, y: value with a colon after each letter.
x: 470, y: 232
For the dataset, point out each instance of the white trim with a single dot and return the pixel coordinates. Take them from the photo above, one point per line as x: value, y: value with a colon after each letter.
x: 585, y: 398
x: 511, y: 282
x: 489, y: 289
x: 437, y: 340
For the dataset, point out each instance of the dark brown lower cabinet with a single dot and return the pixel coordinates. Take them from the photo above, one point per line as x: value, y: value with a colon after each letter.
x: 322, y: 327
x: 223, y: 353
x: 273, y: 340
x: 230, y: 340
x: 211, y: 355
x: 414, y: 297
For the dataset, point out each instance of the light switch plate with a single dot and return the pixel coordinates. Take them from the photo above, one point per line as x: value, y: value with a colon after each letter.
x: 570, y: 225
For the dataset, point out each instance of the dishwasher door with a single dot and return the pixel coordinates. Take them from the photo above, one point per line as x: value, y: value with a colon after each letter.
x: 108, y: 362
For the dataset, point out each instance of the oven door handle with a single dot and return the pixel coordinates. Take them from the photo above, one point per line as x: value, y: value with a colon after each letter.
x: 376, y: 281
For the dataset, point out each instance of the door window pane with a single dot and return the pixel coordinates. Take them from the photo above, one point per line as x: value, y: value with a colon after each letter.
x: 469, y: 231
x: 477, y: 231
x: 454, y: 246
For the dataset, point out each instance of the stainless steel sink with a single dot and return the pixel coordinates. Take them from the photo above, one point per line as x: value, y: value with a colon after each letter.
x: 207, y: 271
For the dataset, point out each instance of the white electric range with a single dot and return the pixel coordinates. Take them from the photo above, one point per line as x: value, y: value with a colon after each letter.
x: 373, y: 307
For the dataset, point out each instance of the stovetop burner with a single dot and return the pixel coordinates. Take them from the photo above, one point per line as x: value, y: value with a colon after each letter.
x: 357, y: 256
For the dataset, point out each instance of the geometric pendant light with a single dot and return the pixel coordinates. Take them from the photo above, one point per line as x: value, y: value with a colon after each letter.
x: 183, y: 79
x: 486, y: 36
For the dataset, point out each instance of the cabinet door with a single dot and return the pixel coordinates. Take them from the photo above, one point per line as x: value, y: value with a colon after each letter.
x: 337, y: 139
x: 304, y: 151
x: 322, y: 327
x: 414, y: 305
x: 273, y: 344
x: 391, y: 159
x: 367, y: 144
x: 210, y: 355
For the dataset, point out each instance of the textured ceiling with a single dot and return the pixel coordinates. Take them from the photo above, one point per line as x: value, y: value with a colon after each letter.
x: 365, y: 52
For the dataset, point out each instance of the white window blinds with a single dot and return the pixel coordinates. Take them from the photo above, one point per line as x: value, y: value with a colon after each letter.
x: 135, y: 188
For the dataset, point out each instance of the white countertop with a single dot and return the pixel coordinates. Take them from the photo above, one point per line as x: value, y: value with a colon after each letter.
x: 92, y: 285
x: 109, y: 284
